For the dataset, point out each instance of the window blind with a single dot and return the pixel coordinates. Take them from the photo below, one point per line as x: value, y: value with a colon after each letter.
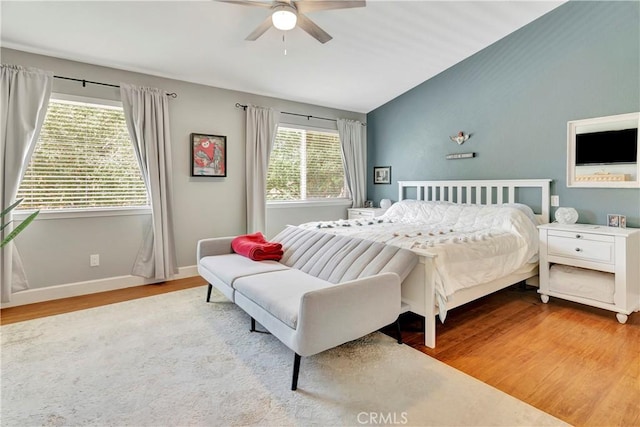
x: 84, y: 158
x: 305, y: 164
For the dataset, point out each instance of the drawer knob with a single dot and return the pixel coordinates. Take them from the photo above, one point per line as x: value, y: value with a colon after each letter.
x: 578, y: 236
x: 578, y: 250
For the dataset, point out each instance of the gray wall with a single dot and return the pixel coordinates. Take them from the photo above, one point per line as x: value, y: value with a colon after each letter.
x: 56, y: 251
x: 515, y: 98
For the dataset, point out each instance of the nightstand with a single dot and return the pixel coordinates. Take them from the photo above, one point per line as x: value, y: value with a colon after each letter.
x: 365, y: 213
x: 604, y: 266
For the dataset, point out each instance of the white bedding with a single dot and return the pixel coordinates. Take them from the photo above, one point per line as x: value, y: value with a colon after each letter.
x: 474, y: 244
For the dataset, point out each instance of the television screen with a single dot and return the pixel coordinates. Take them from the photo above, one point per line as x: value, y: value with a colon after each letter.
x: 601, y: 148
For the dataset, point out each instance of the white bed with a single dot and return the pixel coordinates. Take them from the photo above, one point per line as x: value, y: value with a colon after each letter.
x: 460, y: 220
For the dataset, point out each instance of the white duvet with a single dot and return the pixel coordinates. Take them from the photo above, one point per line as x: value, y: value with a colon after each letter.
x: 473, y: 244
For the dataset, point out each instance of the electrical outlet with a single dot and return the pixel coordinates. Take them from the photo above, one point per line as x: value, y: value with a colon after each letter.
x: 94, y: 260
x: 555, y: 200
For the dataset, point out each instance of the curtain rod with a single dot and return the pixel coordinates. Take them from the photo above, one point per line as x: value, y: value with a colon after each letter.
x: 244, y: 107
x: 84, y: 84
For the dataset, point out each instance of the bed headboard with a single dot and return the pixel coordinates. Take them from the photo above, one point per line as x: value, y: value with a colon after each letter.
x: 487, y: 192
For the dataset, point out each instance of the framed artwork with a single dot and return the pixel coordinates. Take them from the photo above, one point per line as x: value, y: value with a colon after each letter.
x: 382, y: 175
x: 208, y: 155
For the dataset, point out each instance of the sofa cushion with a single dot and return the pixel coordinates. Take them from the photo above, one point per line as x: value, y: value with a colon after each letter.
x: 279, y: 293
x: 229, y: 267
x: 339, y: 259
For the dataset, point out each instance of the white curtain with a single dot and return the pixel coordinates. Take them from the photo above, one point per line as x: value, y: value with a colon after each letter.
x: 262, y: 126
x: 354, y: 159
x: 24, y: 97
x: 146, y: 111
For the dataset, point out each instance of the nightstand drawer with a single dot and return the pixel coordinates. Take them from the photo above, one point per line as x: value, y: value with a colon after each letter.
x: 582, y: 248
x: 355, y: 213
x: 365, y: 213
x: 582, y: 236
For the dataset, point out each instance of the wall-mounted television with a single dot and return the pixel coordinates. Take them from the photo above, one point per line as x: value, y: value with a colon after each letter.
x: 602, y: 152
x: 607, y: 147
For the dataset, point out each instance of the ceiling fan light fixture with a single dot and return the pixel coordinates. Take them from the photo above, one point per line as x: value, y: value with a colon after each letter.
x: 284, y: 17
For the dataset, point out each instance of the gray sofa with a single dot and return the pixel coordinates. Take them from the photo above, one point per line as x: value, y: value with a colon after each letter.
x: 325, y: 291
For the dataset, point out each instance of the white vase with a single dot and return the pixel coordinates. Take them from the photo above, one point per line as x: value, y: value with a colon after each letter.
x: 566, y: 215
x: 385, y: 203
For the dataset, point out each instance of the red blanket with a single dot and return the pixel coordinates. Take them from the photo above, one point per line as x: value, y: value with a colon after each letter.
x: 256, y: 247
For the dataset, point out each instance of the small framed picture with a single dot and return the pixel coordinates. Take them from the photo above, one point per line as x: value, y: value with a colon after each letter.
x: 614, y: 220
x: 382, y: 175
x: 623, y: 221
x: 208, y: 155
x: 368, y: 203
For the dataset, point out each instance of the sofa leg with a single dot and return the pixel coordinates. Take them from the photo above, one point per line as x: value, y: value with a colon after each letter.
x: 296, y: 370
x: 399, y: 330
x: 209, y: 292
x: 253, y: 328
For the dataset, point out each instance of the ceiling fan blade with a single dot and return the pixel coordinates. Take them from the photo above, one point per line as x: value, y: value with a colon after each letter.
x: 249, y: 3
x: 314, y: 31
x: 260, y: 30
x: 305, y: 6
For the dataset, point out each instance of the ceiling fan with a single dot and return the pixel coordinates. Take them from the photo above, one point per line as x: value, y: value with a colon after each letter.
x: 286, y: 14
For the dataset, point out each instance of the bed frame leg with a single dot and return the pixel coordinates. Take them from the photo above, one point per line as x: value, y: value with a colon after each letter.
x: 430, y: 332
x: 399, y: 330
x: 430, y: 304
x: 209, y: 292
x: 296, y: 371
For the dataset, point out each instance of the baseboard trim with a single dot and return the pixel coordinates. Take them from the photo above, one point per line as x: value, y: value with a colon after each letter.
x: 31, y: 296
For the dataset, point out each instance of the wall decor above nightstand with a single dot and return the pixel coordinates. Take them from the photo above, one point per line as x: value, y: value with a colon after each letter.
x: 382, y: 175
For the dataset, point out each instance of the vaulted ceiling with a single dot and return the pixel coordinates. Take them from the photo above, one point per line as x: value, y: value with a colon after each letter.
x: 377, y: 53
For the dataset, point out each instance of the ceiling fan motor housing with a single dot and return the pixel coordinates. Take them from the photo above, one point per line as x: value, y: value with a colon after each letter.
x: 284, y: 17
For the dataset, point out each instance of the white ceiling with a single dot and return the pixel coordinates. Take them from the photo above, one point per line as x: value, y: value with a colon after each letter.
x: 377, y: 52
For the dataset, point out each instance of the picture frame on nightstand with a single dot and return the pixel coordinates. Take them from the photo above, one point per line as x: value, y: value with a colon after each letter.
x: 615, y: 220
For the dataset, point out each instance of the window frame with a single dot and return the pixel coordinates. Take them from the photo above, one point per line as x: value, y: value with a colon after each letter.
x: 47, y: 214
x: 316, y: 201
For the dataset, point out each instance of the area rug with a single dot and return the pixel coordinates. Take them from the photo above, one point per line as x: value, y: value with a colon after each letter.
x: 174, y: 359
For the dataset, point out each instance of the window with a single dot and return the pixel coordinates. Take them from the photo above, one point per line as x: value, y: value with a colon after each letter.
x: 83, y: 159
x: 306, y: 164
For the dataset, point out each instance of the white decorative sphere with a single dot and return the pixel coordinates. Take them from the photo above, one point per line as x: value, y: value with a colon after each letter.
x: 566, y: 215
x: 385, y: 203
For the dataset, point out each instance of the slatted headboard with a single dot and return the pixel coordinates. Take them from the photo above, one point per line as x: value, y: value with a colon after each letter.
x: 487, y: 192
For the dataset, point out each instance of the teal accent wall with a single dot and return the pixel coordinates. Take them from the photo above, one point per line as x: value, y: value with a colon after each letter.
x: 515, y: 98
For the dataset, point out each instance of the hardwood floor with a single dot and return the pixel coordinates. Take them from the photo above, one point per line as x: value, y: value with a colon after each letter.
x: 66, y: 305
x: 574, y: 362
